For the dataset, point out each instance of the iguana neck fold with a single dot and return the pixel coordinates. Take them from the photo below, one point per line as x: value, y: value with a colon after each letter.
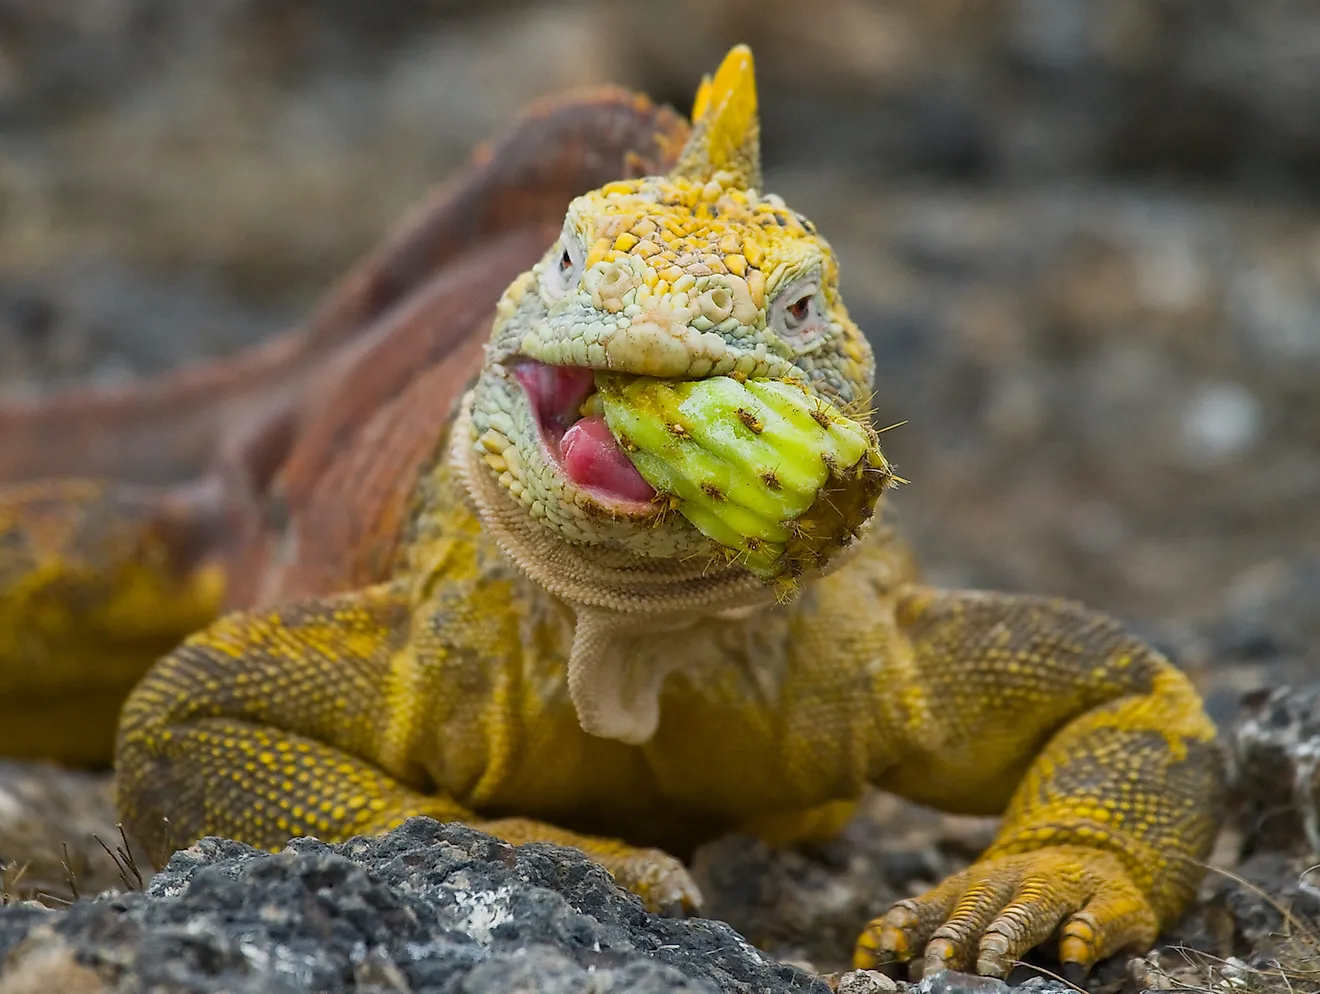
x: 614, y: 594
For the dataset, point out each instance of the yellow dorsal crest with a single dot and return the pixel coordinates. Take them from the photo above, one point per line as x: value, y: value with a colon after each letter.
x: 726, y: 132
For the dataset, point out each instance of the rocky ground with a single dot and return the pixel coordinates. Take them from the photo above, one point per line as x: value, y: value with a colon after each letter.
x: 429, y: 908
x: 1083, y: 239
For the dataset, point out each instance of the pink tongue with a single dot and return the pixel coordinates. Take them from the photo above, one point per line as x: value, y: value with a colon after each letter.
x: 592, y: 458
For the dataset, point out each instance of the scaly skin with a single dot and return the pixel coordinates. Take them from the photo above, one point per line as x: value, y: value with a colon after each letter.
x: 547, y: 663
x: 130, y: 566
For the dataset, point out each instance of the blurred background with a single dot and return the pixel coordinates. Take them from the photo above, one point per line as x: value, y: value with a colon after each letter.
x: 1084, y: 239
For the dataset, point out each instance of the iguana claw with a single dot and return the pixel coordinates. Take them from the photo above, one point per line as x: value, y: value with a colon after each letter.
x: 991, y: 914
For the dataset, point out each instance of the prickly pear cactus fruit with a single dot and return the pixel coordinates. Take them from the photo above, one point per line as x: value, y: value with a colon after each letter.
x: 774, y: 474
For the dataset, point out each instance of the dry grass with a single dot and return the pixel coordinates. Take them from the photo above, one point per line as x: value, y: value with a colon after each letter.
x: 1286, y: 962
x: 17, y: 883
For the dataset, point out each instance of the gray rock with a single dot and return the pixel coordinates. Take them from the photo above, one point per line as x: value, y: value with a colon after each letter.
x: 866, y: 982
x: 427, y: 908
x: 953, y: 982
x: 1260, y: 921
x: 1277, y: 741
x: 811, y: 902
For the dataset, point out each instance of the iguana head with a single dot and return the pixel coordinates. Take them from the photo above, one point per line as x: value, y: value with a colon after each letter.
x: 691, y: 276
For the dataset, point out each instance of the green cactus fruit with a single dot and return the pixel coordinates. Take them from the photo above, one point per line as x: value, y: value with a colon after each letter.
x: 768, y: 470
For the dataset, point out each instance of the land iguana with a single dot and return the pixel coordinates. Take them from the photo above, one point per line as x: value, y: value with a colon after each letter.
x: 465, y: 599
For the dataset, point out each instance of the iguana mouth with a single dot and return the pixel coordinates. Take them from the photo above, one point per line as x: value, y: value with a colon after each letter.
x: 576, y: 439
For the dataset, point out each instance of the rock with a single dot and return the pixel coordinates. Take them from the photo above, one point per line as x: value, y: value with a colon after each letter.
x: 810, y: 902
x: 866, y: 982
x: 1271, y: 612
x: 48, y: 969
x: 427, y: 908
x: 953, y: 982
x: 1256, y: 924
x: 1260, y: 631
x: 1259, y: 923
x: 1219, y: 423
x: 1022, y: 89
x: 1277, y: 742
x: 1273, y: 893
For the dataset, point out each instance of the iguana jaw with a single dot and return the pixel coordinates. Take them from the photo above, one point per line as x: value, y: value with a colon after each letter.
x: 577, y: 442
x: 521, y: 414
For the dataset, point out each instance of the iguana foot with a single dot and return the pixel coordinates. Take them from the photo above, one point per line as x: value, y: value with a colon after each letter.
x: 996, y: 910
x: 660, y: 880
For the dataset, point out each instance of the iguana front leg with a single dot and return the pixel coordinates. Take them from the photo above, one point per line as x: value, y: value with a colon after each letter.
x: 1111, y: 772
x: 310, y: 720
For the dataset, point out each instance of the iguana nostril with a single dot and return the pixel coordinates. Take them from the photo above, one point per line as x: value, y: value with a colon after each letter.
x: 715, y: 304
x: 609, y: 284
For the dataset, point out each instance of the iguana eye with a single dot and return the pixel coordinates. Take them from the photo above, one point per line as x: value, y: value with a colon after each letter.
x: 799, y: 310
x: 797, y: 315
x: 563, y: 269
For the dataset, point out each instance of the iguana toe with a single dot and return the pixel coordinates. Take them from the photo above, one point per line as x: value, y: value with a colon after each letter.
x: 990, y: 915
x: 661, y: 881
